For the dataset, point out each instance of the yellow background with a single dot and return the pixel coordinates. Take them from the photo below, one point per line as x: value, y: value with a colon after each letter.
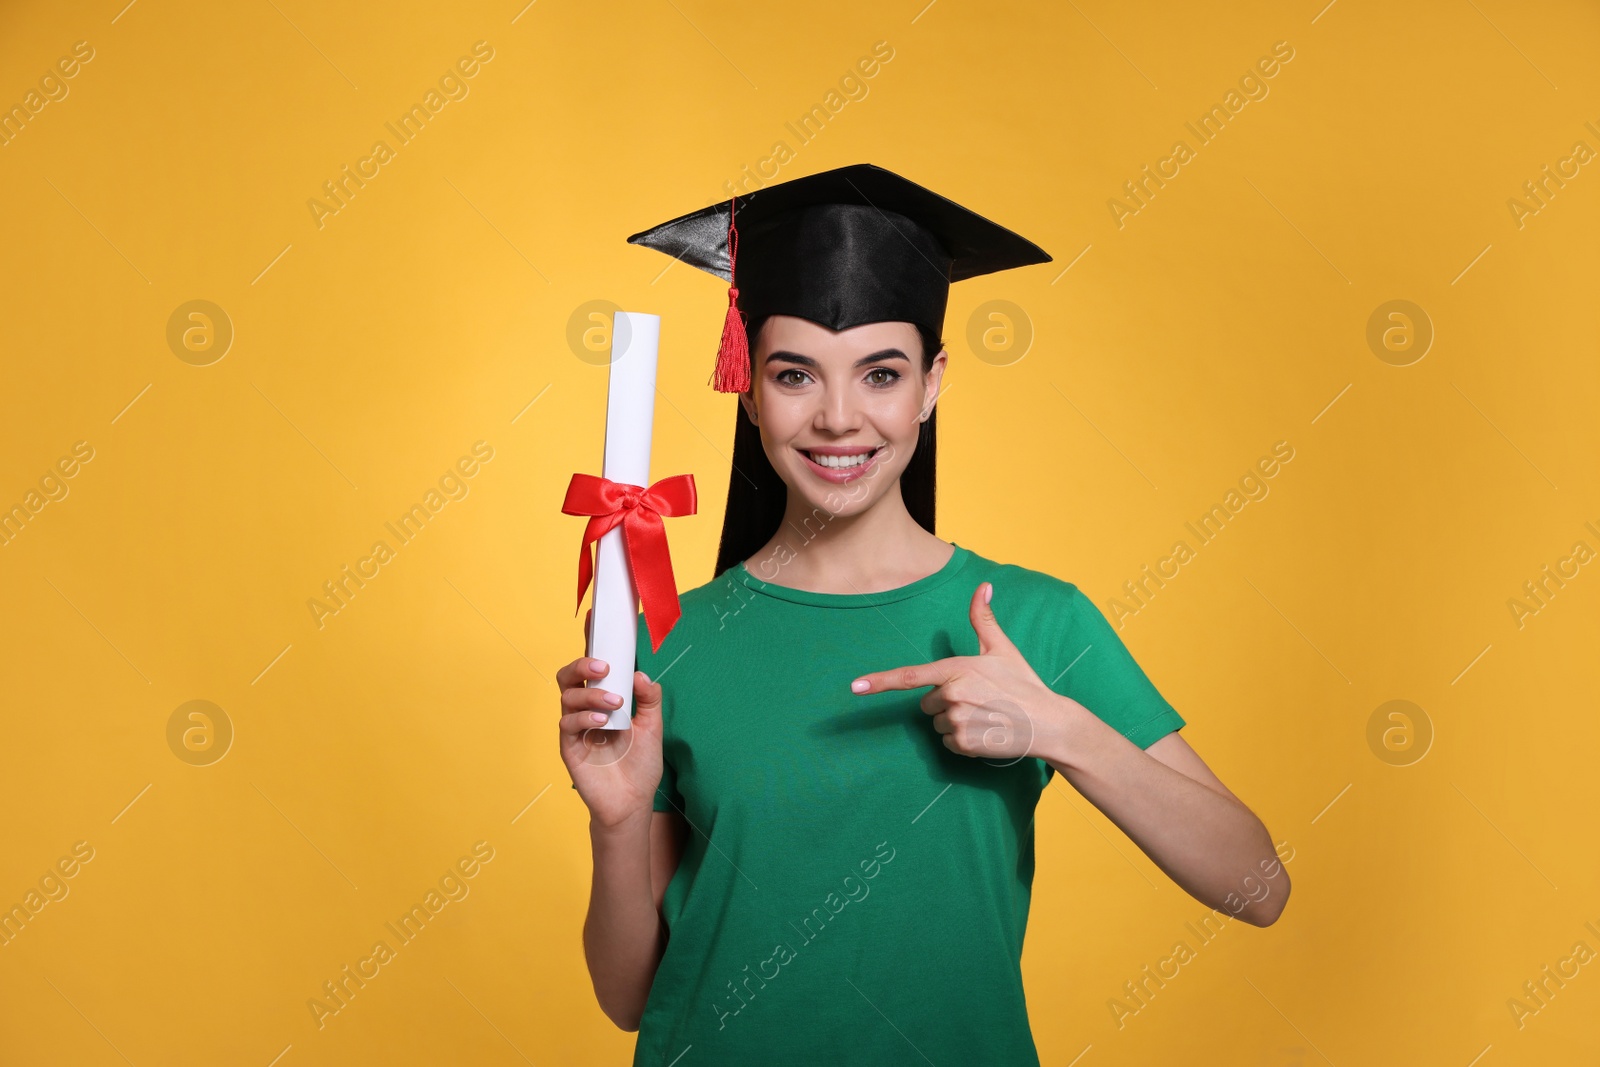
x: 431, y: 311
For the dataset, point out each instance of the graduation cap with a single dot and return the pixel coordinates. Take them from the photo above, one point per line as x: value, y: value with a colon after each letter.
x: 841, y: 248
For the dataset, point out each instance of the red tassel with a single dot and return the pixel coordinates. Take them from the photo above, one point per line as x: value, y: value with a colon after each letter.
x: 733, y: 354
x: 732, y: 374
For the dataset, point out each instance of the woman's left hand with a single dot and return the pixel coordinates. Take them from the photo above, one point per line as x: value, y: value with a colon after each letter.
x: 991, y: 705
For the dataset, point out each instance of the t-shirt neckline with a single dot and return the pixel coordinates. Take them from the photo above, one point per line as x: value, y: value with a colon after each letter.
x: 957, y: 560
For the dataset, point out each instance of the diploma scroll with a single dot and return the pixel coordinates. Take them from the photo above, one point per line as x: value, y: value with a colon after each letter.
x: 630, y: 413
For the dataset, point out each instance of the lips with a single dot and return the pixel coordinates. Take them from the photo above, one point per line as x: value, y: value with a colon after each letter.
x: 831, y: 453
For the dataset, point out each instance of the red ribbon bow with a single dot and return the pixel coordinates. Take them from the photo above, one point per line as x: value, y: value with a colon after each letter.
x: 644, y: 535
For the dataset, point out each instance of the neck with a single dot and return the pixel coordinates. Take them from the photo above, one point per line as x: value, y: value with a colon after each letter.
x: 881, y: 548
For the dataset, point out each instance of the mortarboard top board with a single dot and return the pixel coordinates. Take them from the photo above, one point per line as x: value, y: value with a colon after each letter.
x: 841, y: 248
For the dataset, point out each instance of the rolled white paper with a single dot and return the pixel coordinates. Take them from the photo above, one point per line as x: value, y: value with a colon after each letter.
x: 630, y: 412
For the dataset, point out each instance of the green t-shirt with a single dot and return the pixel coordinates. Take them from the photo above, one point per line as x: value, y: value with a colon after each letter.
x: 852, y: 891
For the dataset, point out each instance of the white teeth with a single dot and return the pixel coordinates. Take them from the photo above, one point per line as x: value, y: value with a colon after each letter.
x: 840, y: 461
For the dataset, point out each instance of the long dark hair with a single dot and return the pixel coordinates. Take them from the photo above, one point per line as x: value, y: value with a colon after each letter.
x: 757, y: 496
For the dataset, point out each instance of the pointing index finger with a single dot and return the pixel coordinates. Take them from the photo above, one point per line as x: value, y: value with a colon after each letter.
x: 938, y: 672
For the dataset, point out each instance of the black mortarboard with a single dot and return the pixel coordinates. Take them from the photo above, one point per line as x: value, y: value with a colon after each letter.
x: 845, y: 247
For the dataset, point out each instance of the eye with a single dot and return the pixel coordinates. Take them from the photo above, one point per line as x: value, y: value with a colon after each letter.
x: 781, y: 380
x: 893, y: 376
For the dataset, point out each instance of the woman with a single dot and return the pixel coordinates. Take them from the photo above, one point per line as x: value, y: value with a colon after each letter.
x: 818, y: 846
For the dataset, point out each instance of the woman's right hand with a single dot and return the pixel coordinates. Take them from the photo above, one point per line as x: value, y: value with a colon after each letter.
x: 616, y: 772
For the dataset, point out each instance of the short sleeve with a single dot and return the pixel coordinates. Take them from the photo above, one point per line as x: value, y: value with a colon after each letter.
x: 1104, y: 677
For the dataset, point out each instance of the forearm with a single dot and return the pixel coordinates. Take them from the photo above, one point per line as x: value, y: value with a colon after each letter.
x: 1207, y: 842
x: 623, y: 936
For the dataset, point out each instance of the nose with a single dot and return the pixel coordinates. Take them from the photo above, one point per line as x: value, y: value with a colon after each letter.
x: 838, y: 413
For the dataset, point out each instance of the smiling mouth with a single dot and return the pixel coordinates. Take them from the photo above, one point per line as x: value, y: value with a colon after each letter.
x: 840, y: 462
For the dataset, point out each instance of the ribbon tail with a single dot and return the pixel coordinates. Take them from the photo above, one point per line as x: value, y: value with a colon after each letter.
x: 651, y: 564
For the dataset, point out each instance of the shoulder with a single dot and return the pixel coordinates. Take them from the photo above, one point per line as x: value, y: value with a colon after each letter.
x: 1024, y: 583
x: 1048, y: 607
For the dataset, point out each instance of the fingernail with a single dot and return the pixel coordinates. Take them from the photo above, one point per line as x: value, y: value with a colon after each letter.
x: 614, y: 700
x: 599, y: 665
x: 860, y: 685
x: 988, y: 592
x: 598, y: 716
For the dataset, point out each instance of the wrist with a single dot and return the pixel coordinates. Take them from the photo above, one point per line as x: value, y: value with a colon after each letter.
x: 632, y: 823
x: 1068, y: 734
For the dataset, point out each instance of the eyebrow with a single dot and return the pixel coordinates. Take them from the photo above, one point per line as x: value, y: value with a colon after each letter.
x: 807, y: 361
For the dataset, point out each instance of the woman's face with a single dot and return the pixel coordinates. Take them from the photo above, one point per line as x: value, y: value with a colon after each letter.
x: 823, y: 399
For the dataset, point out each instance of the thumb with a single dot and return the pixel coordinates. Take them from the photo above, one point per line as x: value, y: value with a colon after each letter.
x: 991, y: 639
x: 646, y: 695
